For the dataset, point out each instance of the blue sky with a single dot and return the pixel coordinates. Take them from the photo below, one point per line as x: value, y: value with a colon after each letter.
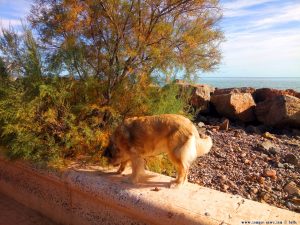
x: 262, y: 36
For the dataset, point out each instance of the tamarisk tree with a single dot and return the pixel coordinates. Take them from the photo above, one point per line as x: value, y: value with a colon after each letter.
x: 115, y: 40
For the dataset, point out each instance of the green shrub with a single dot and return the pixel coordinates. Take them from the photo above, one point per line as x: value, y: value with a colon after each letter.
x: 165, y: 100
x: 161, y: 164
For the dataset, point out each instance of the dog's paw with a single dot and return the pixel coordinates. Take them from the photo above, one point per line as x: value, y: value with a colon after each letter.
x: 175, y: 185
x: 120, y: 171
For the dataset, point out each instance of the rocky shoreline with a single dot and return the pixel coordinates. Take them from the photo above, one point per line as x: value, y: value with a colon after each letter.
x: 261, y: 167
x: 256, y: 142
x: 270, y: 107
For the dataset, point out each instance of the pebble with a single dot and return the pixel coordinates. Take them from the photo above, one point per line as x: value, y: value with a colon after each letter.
x: 201, y: 124
x: 292, y: 206
x: 261, y: 180
x: 155, y: 189
x: 269, y: 136
x: 280, y: 165
x: 231, y: 159
x: 291, y: 158
x: 224, y: 125
x: 291, y: 188
x: 274, y: 150
x: 254, y: 190
x: 224, y: 187
x: 237, y: 134
x: 264, y: 196
x: 247, y: 161
x: 264, y: 146
x: 296, y: 200
x: 270, y: 173
x: 289, y: 166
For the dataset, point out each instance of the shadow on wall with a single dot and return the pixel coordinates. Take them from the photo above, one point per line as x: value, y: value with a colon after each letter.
x: 147, y: 182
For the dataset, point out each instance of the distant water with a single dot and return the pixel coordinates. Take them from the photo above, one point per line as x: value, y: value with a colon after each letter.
x: 255, y: 82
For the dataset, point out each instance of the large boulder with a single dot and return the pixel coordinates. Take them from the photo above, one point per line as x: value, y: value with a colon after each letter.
x: 281, y: 110
x: 234, y: 90
x: 263, y: 94
x: 234, y: 104
x: 199, y: 95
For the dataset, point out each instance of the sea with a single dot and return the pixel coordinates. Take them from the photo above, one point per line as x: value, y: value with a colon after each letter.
x: 255, y: 82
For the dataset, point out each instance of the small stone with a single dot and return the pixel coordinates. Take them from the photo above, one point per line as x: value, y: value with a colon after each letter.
x: 274, y: 150
x: 269, y: 136
x: 292, y: 206
x: 155, y: 189
x: 224, y: 125
x: 291, y: 188
x: 201, y: 124
x: 209, y: 132
x: 254, y: 190
x: 293, y: 143
x: 236, y: 134
x: 296, y: 200
x: 270, y: 173
x: 224, y: 177
x: 243, y: 155
x: 224, y: 187
x: 288, y: 166
x: 261, y: 180
x: 264, y: 146
x: 206, y: 214
x: 280, y: 165
x: 291, y: 158
x: 247, y: 161
x: 264, y: 196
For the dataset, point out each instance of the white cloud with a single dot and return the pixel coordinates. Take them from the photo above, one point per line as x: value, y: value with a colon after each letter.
x: 238, y: 8
x: 9, y: 22
x: 283, y: 15
x: 261, y: 40
x: 240, y: 4
x: 268, y: 53
x: 14, y: 8
x: 13, y: 11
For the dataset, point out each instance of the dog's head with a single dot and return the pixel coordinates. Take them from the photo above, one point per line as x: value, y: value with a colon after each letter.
x: 113, y: 153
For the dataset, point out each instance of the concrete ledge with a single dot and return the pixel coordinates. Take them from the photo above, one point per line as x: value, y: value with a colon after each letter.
x: 98, y: 197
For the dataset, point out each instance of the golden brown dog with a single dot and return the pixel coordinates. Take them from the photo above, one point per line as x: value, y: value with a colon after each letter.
x: 140, y: 137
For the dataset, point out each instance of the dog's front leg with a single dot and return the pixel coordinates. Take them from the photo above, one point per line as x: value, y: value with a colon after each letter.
x: 138, y: 169
x: 122, y: 167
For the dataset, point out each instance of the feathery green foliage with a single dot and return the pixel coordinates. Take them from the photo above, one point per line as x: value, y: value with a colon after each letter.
x: 83, y: 66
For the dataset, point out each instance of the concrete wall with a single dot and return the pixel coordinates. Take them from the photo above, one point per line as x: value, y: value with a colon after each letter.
x: 95, y: 196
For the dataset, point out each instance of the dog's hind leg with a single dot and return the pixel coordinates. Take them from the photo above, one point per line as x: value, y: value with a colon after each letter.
x: 182, y: 171
x: 183, y: 156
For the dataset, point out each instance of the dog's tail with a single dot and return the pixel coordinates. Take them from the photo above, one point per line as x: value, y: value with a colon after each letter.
x: 204, y: 145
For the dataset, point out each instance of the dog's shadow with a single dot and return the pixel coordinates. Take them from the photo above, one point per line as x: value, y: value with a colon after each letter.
x: 147, y: 181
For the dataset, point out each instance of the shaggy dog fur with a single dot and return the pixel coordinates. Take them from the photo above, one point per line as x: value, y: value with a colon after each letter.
x: 139, y: 137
